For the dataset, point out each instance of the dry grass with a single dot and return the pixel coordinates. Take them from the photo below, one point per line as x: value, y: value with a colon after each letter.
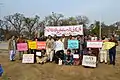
x: 50, y: 71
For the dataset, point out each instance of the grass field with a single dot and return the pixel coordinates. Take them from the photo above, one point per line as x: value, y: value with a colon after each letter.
x: 50, y: 71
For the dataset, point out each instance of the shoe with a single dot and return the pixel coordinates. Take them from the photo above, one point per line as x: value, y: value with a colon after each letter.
x: 114, y: 63
x: 105, y: 62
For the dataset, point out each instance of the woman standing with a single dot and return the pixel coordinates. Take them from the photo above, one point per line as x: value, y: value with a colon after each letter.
x: 112, y: 51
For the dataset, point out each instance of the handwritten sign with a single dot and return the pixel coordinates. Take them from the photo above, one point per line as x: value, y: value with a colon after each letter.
x: 32, y: 45
x: 67, y: 30
x: 28, y: 58
x: 108, y: 45
x: 73, y: 44
x: 76, y: 56
x: 22, y: 47
x: 94, y: 44
x: 41, y: 45
x: 89, y: 61
x: 38, y: 53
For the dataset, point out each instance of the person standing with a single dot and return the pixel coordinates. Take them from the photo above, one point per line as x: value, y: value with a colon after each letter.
x: 50, y: 47
x: 103, y: 52
x: 59, y: 50
x: 12, y: 48
x: 65, y: 42
x: 112, y: 51
x: 20, y: 40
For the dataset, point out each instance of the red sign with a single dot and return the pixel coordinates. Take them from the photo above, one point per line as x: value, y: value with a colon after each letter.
x: 41, y: 45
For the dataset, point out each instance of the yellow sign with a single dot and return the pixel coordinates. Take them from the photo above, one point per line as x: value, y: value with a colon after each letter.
x: 32, y: 45
x: 108, y: 45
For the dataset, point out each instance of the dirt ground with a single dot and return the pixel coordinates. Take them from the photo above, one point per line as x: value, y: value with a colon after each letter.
x: 50, y: 71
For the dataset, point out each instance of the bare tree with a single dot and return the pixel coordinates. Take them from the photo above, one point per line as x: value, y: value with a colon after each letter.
x: 82, y: 20
x: 31, y: 25
x: 16, y: 22
x: 53, y: 19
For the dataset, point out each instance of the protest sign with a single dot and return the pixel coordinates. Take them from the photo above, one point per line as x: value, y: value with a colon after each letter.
x: 32, y: 44
x: 38, y: 53
x: 28, y: 58
x: 41, y: 45
x: 94, y: 44
x: 75, y: 55
x: 22, y: 47
x: 73, y: 44
x: 89, y: 61
x: 108, y: 45
x: 67, y: 30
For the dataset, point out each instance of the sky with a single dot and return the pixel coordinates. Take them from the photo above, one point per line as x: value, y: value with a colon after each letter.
x: 107, y: 11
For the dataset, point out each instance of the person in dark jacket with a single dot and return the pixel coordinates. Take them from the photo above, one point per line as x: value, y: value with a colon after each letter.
x: 68, y: 60
x: 112, y: 51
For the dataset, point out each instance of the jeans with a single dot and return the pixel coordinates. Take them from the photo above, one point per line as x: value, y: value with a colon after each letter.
x: 112, y: 55
x: 12, y: 54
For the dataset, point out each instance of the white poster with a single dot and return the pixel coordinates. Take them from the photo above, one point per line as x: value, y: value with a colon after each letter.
x: 94, y: 44
x: 76, y: 56
x: 28, y: 58
x: 89, y: 61
x: 67, y: 30
x: 38, y: 53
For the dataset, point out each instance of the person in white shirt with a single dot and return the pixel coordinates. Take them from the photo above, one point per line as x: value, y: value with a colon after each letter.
x: 103, y: 52
x: 59, y: 50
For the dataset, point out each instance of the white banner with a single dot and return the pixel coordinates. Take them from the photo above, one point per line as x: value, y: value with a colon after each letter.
x: 94, y: 44
x: 28, y: 58
x: 67, y: 30
x: 89, y: 61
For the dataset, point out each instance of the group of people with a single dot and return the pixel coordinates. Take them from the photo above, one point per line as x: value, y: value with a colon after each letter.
x: 61, y: 53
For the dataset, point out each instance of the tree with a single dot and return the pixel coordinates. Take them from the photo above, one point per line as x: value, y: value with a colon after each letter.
x: 82, y: 20
x: 31, y: 24
x: 95, y: 28
x: 16, y: 22
x: 53, y: 19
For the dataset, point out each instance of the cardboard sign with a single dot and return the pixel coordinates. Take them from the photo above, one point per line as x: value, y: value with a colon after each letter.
x: 94, y: 44
x: 41, y: 45
x: 67, y: 30
x: 22, y: 47
x: 76, y: 56
x: 73, y: 44
x: 89, y: 61
x: 28, y: 58
x: 32, y: 45
x: 38, y: 53
x: 108, y: 45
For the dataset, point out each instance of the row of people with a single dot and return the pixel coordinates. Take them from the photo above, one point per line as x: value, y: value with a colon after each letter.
x: 53, y: 50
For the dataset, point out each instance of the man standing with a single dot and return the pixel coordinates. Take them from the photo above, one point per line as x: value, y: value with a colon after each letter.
x: 20, y: 40
x: 103, y: 52
x: 65, y: 42
x: 12, y: 48
x: 112, y: 51
x: 50, y: 47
